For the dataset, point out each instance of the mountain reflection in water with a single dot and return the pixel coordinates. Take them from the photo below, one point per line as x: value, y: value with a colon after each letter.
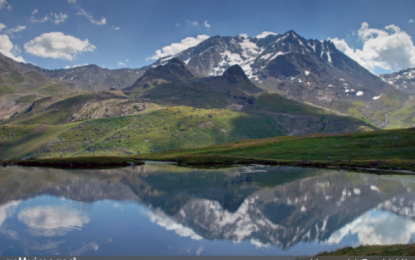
x: 162, y: 209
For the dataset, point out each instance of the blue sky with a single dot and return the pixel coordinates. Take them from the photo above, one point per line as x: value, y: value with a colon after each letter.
x: 115, y: 34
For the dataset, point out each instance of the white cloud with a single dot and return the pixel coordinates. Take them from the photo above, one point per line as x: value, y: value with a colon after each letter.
x: 17, y: 29
x: 123, y: 63
x: 175, y: 48
x: 7, y: 210
x: 58, y: 46
x: 377, y: 228
x: 115, y: 28
x: 12, y: 30
x: 8, y: 49
x: 411, y: 21
x: 177, y: 24
x: 41, y: 20
x: 4, y: 4
x: 190, y: 23
x: 77, y: 65
x: 59, y: 18
x: 244, y: 35
x: 53, y: 220
x: 206, y: 24
x: 390, y: 49
x: 265, y: 34
x: 84, y: 13
x: 53, y: 17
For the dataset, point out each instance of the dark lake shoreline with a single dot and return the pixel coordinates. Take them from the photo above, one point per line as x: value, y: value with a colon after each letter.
x: 387, y: 167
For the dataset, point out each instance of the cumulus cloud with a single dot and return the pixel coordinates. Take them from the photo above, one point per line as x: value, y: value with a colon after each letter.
x: 87, y: 15
x: 4, y: 4
x: 58, y: 46
x: 411, y: 21
x: 191, y: 23
x: 390, y: 49
x: 53, y: 17
x: 244, y: 35
x: 175, y: 48
x: 265, y: 34
x: 2, y: 26
x: 207, y: 25
x: 8, y: 49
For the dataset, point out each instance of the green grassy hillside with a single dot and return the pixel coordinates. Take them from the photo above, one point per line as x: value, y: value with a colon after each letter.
x: 158, y: 128
x: 375, y: 145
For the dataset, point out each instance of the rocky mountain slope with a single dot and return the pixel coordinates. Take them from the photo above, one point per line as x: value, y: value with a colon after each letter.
x: 307, y: 71
x: 403, y: 80
x: 173, y: 83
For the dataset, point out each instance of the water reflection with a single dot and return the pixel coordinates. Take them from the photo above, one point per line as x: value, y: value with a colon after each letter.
x: 167, y: 210
x: 53, y: 220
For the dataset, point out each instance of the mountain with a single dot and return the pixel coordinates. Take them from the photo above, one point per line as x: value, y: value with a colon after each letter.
x: 174, y: 71
x: 95, y: 78
x: 167, y: 108
x: 22, y: 84
x: 82, y: 78
x: 403, y: 80
x: 173, y: 83
x: 308, y: 71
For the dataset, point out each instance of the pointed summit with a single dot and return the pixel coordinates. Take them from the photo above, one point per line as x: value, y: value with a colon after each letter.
x: 174, y: 71
x: 235, y: 75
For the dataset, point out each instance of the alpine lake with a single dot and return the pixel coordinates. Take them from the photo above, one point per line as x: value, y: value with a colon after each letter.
x: 163, y: 209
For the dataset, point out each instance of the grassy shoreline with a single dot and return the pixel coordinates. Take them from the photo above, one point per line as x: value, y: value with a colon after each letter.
x: 76, y: 162
x: 402, y: 167
x: 397, y: 167
x: 374, y: 250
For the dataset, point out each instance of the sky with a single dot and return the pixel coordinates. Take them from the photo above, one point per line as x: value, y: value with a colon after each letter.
x: 56, y: 34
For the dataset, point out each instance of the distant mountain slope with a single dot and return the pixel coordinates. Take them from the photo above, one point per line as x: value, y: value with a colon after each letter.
x: 94, y: 78
x: 308, y: 71
x: 82, y: 78
x: 403, y: 80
